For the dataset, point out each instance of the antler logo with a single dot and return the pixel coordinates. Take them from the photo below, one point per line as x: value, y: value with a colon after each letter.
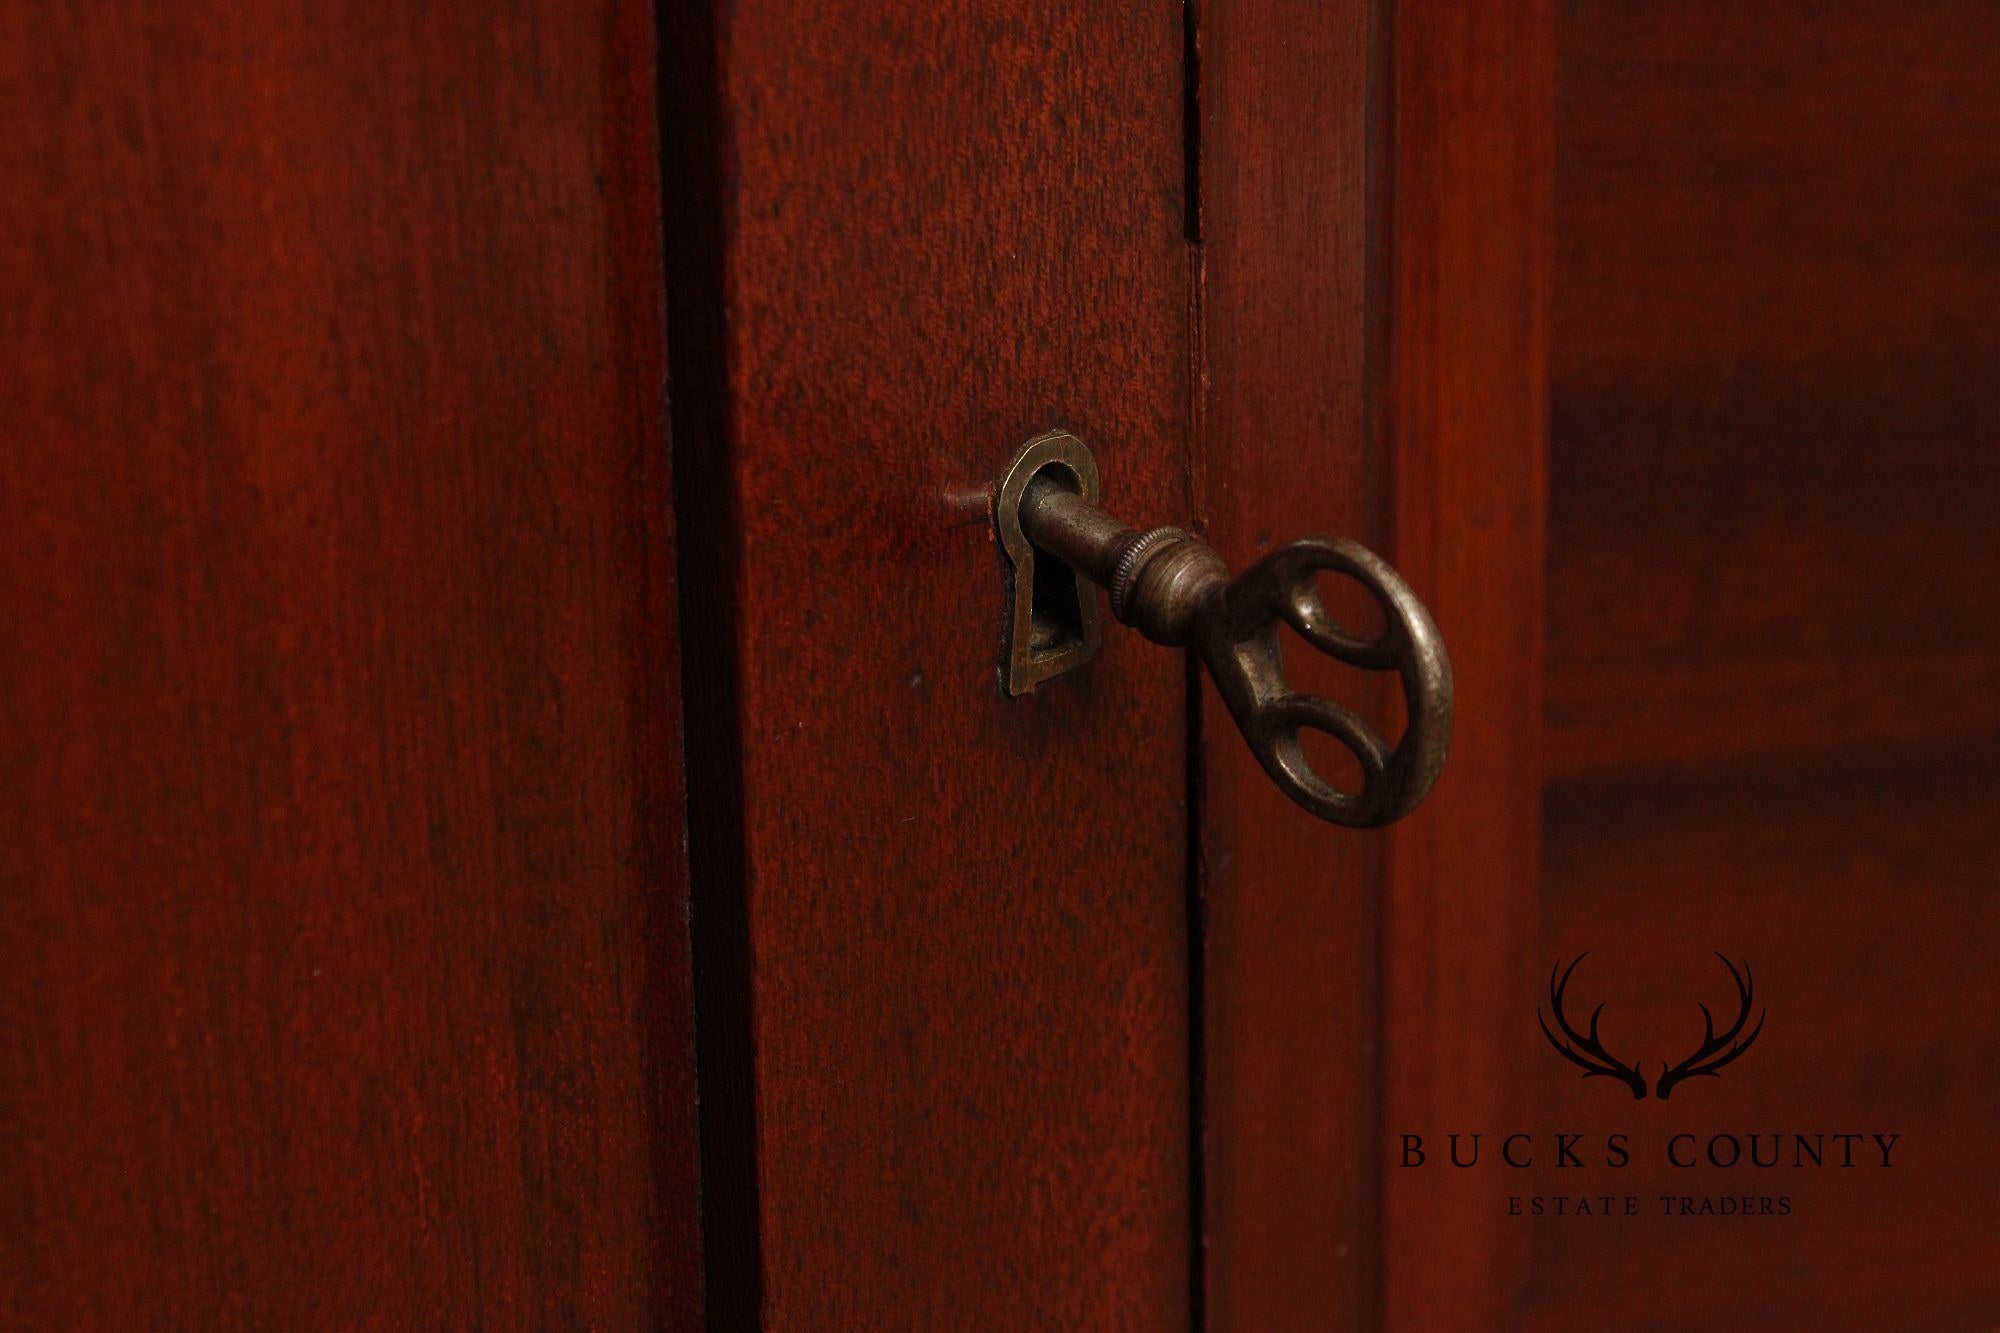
x: 1588, y: 1053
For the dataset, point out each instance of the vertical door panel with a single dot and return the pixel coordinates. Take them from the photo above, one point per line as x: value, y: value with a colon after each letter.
x: 1290, y: 904
x: 342, y: 967
x: 1374, y: 186
x: 1467, y: 408
x: 943, y: 932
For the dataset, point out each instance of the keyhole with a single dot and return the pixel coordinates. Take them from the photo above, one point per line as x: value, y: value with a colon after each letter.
x: 1055, y: 618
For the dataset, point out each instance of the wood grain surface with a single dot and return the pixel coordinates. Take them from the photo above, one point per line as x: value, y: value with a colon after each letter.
x: 1374, y: 231
x: 944, y: 932
x: 1467, y: 410
x: 1286, y: 448
x: 1774, y: 494
x: 343, y: 970
x: 1775, y: 407
x: 1863, y: 899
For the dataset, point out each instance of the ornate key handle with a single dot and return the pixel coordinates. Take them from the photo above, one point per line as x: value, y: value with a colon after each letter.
x: 1176, y: 591
x: 1241, y: 650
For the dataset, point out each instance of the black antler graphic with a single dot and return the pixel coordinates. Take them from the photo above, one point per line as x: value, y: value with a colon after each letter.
x: 1711, y: 1055
x: 1595, y: 1061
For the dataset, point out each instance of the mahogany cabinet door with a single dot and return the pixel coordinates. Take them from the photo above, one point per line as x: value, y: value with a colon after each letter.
x: 343, y: 961
x: 401, y: 753
x: 348, y: 894
x: 1052, y: 1011
x: 944, y: 935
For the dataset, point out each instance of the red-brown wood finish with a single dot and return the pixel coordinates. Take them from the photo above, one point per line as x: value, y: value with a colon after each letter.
x: 342, y: 948
x: 1773, y: 640
x: 947, y: 929
x: 1872, y: 943
x: 1374, y: 222
x: 1468, y: 303
x: 1774, y: 430
x: 1289, y: 904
